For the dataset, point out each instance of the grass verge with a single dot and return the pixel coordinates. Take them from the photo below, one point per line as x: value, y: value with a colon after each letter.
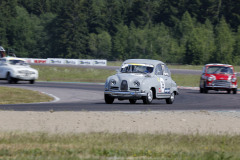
x: 67, y: 74
x: 18, y: 95
x: 42, y: 146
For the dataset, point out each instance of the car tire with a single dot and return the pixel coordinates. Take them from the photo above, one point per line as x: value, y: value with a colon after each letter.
x: 205, y: 90
x: 15, y: 81
x: 228, y: 91
x: 32, y: 81
x: 201, y: 90
x: 108, y: 99
x: 148, y: 99
x: 9, y: 78
x: 171, y: 99
x: 132, y: 101
x: 235, y: 91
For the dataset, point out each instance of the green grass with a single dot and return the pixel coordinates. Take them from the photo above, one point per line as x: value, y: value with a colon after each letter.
x: 18, y: 95
x: 186, y: 80
x: 42, y: 146
x: 68, y: 74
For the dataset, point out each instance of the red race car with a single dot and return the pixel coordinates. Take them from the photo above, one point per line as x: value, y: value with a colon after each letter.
x: 218, y: 77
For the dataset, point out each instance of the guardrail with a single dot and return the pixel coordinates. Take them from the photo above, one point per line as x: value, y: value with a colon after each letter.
x: 95, y: 62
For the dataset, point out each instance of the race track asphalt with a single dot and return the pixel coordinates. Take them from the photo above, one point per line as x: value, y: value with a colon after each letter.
x: 89, y: 97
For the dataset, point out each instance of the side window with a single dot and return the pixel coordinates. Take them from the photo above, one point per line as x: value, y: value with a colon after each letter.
x: 203, y: 70
x: 159, y: 70
x: 1, y: 61
x: 167, y: 71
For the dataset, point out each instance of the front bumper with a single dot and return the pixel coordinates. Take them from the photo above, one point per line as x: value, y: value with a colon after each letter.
x: 221, y: 87
x: 221, y: 84
x: 25, y: 77
x: 125, y: 94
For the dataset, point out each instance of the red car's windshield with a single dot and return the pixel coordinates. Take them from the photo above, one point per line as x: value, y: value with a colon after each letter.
x: 219, y: 70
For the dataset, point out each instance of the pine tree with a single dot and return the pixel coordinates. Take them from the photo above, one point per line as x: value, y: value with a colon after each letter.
x: 120, y: 43
x: 236, y: 53
x: 100, y: 45
x: 224, y: 43
x: 69, y: 31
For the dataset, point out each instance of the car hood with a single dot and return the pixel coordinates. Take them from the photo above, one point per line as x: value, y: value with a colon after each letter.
x: 221, y: 76
x: 19, y: 68
x: 129, y: 77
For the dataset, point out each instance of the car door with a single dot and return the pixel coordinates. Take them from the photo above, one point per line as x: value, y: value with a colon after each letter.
x: 167, y: 79
x: 1, y: 68
x: 162, y: 82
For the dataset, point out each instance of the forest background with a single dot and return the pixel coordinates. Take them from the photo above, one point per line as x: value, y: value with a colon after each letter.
x: 173, y: 31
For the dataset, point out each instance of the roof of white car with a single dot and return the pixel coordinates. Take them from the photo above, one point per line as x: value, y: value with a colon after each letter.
x: 13, y: 58
x: 143, y: 61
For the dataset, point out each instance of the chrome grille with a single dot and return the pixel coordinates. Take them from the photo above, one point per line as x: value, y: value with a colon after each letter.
x: 134, y: 89
x: 124, y: 85
x: 221, y: 83
x: 114, y: 88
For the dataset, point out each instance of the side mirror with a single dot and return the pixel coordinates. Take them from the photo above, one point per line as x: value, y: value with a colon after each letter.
x: 165, y: 74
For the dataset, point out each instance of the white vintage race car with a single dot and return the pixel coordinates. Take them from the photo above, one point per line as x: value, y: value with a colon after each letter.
x: 15, y: 69
x: 141, y: 79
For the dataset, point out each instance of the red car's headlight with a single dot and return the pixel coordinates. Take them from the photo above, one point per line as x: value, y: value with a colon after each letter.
x: 210, y: 79
x: 234, y: 79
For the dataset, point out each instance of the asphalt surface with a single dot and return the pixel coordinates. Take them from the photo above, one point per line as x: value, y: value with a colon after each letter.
x: 89, y: 97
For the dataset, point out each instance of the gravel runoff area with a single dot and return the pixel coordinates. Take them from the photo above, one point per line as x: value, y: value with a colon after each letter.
x: 183, y: 122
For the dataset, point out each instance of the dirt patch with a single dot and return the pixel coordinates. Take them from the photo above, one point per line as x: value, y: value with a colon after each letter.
x: 183, y: 122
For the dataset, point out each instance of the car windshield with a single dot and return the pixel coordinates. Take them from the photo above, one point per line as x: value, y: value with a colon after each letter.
x: 17, y: 62
x: 219, y: 70
x: 136, y: 68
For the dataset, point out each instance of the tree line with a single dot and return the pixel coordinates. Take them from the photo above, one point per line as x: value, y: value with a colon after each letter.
x: 173, y: 31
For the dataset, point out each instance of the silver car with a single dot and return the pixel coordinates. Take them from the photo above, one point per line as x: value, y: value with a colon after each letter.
x: 141, y: 79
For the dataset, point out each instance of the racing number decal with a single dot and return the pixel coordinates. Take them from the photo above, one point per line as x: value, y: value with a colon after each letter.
x: 162, y: 85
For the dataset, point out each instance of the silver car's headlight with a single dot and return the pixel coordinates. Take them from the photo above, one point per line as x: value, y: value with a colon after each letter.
x: 112, y: 82
x: 136, y: 83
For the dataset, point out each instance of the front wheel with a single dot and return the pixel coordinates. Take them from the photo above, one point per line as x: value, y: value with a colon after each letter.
x: 148, y: 99
x: 132, y: 101
x: 229, y: 91
x: 31, y: 81
x: 235, y: 91
x: 171, y: 99
x: 9, y: 78
x: 108, y: 99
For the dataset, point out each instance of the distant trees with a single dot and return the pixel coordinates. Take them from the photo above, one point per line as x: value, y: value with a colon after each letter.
x: 188, y: 32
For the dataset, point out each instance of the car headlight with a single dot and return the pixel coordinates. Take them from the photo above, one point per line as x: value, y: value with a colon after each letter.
x: 136, y: 83
x: 234, y: 79
x: 112, y: 82
x: 210, y: 79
